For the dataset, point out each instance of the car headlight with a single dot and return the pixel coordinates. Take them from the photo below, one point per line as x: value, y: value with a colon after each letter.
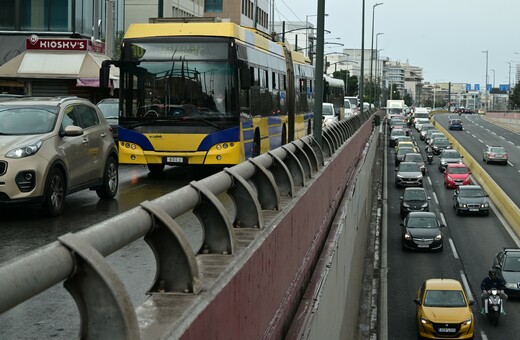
x: 424, y: 205
x: 485, y: 205
x: 406, y: 205
x: 419, y: 177
x: 407, y: 236
x: 399, y: 176
x: 468, y: 321
x: 425, y: 321
x: 464, y: 205
x: 25, y: 151
x: 449, y: 178
x: 438, y: 237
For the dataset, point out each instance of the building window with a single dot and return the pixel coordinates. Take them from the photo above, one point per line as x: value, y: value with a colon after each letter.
x: 7, y: 15
x: 213, y: 6
x: 47, y: 15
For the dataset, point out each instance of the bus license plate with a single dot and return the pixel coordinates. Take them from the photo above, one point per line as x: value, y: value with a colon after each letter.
x: 175, y: 160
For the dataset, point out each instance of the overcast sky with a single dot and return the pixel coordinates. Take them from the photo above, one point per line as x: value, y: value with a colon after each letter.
x: 443, y: 37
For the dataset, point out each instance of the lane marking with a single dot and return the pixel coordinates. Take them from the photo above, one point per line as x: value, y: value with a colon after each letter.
x: 435, y: 197
x: 466, y: 285
x: 453, y: 249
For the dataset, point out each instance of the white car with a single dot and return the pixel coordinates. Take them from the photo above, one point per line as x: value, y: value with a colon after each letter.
x: 329, y: 114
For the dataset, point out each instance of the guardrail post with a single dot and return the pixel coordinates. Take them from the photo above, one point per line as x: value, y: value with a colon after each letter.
x: 218, y: 230
x: 248, y: 213
x: 177, y: 269
x: 304, y: 160
x: 282, y: 176
x: 105, y: 308
x: 295, y: 167
x: 268, y: 194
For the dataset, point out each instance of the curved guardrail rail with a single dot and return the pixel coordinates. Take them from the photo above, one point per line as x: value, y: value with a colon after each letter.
x: 78, y: 259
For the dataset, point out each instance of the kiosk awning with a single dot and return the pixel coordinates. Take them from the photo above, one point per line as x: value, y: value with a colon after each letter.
x: 81, y: 65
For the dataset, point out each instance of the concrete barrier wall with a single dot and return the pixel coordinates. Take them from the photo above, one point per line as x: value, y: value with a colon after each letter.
x: 511, y: 120
x: 329, y: 308
x: 258, y: 297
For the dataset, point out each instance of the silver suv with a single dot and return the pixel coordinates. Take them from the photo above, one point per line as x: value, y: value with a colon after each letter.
x: 52, y: 147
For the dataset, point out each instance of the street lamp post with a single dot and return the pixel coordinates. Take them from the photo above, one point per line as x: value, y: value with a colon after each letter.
x: 362, y: 68
x: 307, y: 30
x: 493, y: 95
x: 509, y: 87
x: 376, y: 67
x: 485, y: 84
x: 372, y: 47
x: 378, y: 77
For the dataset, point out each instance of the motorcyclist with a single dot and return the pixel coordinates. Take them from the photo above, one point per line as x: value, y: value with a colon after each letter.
x: 429, y: 154
x: 492, y: 281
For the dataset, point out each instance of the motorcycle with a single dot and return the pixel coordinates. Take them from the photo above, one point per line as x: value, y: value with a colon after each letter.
x: 493, y: 306
x: 429, y: 158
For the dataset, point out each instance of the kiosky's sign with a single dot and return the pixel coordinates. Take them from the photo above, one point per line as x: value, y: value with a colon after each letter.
x: 36, y: 43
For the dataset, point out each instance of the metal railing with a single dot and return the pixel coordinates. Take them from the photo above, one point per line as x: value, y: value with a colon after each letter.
x: 78, y: 259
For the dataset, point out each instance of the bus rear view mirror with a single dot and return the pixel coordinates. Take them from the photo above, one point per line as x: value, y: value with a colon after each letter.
x: 104, y: 74
x: 245, y: 80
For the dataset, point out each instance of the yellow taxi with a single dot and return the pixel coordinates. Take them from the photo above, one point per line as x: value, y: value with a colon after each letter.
x: 444, y: 310
x: 406, y: 143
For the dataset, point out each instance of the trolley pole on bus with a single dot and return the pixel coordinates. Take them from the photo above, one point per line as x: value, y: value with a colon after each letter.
x: 318, y: 73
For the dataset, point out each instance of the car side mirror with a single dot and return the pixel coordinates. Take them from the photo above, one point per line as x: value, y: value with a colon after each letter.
x: 454, y: 194
x: 471, y: 302
x: 469, y: 172
x: 401, y: 197
x: 443, y: 225
x: 417, y: 302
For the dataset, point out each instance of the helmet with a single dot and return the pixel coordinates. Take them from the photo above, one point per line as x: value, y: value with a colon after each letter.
x: 492, y: 273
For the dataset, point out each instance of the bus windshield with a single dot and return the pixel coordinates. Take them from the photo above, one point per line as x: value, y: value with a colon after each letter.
x: 174, y: 85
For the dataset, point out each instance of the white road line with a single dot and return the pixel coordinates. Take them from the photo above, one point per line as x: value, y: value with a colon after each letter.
x: 429, y: 180
x: 443, y: 220
x: 483, y: 335
x: 453, y: 249
x: 466, y: 285
x: 435, y: 198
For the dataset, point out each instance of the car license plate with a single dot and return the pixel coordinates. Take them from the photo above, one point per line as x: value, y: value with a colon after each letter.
x: 447, y: 330
x: 473, y: 209
x: 423, y: 245
x: 175, y: 160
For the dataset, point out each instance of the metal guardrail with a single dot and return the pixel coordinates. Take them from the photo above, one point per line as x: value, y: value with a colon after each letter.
x: 78, y: 259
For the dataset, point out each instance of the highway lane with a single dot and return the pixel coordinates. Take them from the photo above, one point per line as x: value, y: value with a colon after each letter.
x: 53, y: 313
x: 476, y: 135
x: 472, y: 242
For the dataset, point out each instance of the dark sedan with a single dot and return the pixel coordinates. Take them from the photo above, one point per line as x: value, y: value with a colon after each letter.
x: 507, y: 265
x: 455, y: 124
x: 470, y: 199
x: 422, y: 230
x: 414, y: 199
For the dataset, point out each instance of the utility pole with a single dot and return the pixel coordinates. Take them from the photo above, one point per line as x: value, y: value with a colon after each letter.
x: 109, y: 30
x: 362, y: 71
x: 485, y: 85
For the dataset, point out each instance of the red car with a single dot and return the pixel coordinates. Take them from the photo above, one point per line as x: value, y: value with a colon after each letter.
x: 456, y: 174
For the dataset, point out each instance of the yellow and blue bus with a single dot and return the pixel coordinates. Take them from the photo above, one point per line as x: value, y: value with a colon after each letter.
x: 208, y: 93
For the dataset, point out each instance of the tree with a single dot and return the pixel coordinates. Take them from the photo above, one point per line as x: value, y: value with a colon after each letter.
x: 351, y: 82
x: 393, y: 92
x: 514, y: 98
x: 408, y: 100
